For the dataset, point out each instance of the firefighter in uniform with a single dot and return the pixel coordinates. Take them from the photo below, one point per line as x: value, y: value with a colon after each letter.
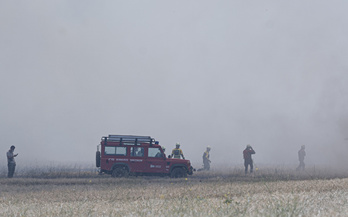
x: 206, y: 160
x: 177, y: 152
x: 301, y: 156
x: 247, y: 158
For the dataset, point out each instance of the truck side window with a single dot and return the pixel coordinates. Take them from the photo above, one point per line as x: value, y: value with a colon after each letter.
x: 154, y: 152
x: 110, y: 150
x: 118, y: 151
x: 137, y: 151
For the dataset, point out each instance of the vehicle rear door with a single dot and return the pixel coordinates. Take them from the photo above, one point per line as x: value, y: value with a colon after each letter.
x: 112, y: 155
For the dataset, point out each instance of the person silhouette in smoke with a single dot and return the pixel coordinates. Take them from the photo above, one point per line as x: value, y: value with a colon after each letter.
x: 11, y: 163
x: 301, y: 156
x: 206, y: 160
x: 247, y: 158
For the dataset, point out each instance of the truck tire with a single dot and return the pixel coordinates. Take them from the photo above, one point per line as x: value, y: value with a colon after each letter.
x: 178, y: 172
x: 97, y: 159
x: 119, y: 172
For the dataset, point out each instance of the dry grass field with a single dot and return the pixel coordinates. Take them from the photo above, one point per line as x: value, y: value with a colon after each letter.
x: 230, y: 193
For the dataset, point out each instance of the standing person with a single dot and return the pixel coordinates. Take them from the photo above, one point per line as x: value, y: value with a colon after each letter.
x: 11, y: 163
x: 301, y: 156
x: 164, y: 151
x: 206, y: 160
x: 159, y: 154
x: 247, y: 158
x: 177, y: 152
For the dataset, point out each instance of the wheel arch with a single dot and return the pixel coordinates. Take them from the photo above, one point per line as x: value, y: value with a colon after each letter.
x: 177, y: 166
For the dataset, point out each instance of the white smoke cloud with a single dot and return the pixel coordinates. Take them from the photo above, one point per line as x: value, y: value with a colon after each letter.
x: 224, y: 74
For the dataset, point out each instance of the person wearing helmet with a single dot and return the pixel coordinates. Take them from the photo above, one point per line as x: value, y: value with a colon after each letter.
x: 160, y: 154
x: 164, y: 151
x: 11, y: 163
x: 177, y: 152
x: 206, y: 160
x: 301, y: 156
x: 247, y: 158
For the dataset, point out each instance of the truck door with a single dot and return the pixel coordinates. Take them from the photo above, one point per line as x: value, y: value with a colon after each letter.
x: 156, y: 162
x: 136, y: 159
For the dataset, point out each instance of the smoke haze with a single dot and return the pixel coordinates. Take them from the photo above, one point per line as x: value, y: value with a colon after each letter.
x: 272, y: 74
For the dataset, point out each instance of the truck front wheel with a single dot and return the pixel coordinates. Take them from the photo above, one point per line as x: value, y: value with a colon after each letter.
x: 178, y: 173
x: 119, y: 172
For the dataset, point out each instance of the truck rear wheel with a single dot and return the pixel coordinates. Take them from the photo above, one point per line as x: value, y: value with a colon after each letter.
x: 119, y: 172
x: 178, y: 172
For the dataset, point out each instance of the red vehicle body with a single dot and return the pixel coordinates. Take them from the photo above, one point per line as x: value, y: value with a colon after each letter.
x: 123, y: 155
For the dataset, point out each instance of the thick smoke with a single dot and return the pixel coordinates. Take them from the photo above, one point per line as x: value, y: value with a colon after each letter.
x: 223, y: 74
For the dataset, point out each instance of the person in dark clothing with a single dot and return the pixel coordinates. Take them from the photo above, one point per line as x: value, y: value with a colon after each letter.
x: 11, y: 163
x: 301, y: 156
x: 247, y: 158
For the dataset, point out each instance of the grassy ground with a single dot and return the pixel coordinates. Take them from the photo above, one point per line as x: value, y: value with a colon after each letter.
x: 266, y: 193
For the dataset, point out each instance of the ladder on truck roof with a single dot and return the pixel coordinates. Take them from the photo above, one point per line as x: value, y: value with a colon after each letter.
x: 129, y: 139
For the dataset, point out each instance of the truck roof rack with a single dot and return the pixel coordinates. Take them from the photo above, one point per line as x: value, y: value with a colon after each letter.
x: 128, y: 139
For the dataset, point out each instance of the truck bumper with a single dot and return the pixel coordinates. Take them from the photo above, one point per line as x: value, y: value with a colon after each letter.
x: 190, y: 171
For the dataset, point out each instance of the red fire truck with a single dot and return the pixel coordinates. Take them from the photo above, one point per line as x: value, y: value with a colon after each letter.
x: 123, y: 155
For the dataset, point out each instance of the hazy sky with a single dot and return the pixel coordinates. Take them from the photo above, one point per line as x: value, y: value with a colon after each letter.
x: 273, y: 74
